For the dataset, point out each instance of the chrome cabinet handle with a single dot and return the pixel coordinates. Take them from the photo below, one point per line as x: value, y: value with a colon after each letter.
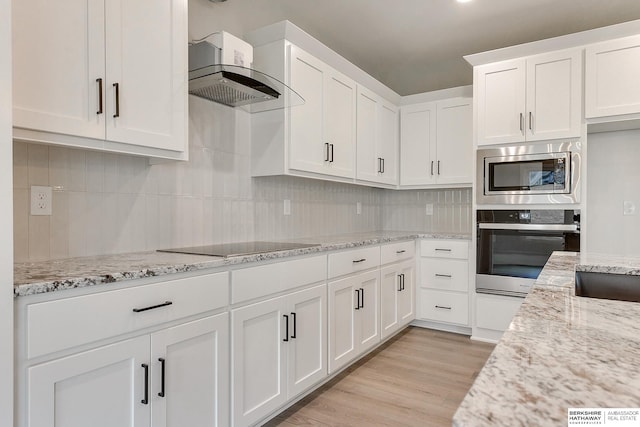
x: 117, y: 87
x: 100, y: 100
x: 431, y: 167
x: 521, y: 123
x: 164, y: 304
x: 399, y: 282
x: 443, y: 307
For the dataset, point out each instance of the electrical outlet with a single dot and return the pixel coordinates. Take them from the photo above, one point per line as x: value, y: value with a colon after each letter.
x: 628, y: 208
x: 40, y: 200
x: 287, y: 207
x: 358, y: 208
x: 429, y: 209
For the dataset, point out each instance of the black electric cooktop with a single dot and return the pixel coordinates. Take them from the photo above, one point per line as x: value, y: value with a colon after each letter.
x: 237, y: 249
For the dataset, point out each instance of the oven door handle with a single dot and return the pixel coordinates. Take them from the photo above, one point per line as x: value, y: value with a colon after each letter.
x: 528, y: 227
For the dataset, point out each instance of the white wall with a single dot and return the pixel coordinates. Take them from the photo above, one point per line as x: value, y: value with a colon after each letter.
x: 614, y: 177
x: 6, y: 237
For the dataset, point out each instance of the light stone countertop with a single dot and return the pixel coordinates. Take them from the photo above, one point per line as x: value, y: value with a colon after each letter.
x: 560, y: 352
x: 56, y: 275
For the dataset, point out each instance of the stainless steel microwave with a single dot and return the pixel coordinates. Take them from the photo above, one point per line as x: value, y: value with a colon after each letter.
x: 529, y: 174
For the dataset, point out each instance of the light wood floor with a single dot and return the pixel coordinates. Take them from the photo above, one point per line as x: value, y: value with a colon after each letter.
x: 417, y: 379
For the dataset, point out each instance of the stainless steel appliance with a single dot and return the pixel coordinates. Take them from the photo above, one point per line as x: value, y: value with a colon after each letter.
x: 539, y: 173
x: 514, y: 245
x: 238, y: 249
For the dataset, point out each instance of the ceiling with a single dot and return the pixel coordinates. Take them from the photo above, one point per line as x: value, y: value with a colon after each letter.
x: 414, y: 46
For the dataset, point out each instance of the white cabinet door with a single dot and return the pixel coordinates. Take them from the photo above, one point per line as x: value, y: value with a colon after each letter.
x: 454, y: 148
x: 58, y: 57
x: 342, y: 326
x: 307, y: 150
x: 259, y: 377
x: 307, y: 351
x: 611, y: 78
x: 340, y: 125
x: 390, y: 288
x: 368, y: 324
x: 388, y: 136
x: 554, y: 87
x: 377, y: 139
x: 368, y: 160
x: 190, y: 380
x: 103, y: 387
x: 500, y: 102
x: 146, y: 53
x: 418, y: 142
x: 406, y: 296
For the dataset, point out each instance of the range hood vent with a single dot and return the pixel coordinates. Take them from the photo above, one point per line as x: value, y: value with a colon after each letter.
x: 212, y: 78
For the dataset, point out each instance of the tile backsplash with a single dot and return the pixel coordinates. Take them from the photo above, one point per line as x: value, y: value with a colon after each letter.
x: 107, y: 203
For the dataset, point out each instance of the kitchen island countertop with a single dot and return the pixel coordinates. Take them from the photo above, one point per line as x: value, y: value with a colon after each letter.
x: 55, y: 275
x: 560, y: 352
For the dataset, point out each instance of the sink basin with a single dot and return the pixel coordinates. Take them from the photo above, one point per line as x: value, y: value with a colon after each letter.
x: 622, y: 287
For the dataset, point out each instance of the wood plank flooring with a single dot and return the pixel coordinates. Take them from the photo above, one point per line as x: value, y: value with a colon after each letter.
x: 416, y: 379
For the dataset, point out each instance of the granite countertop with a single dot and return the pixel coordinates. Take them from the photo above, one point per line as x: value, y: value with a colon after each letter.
x: 49, y: 276
x: 560, y: 352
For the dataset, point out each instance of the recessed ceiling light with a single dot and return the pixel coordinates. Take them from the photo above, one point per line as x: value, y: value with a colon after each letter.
x: 464, y: 1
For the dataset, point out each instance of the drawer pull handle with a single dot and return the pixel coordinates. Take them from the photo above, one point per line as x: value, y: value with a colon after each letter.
x: 357, y: 299
x: 164, y: 304
x: 446, y: 308
x: 362, y: 297
x: 117, y: 87
x: 145, y: 401
x: 443, y: 250
x: 443, y: 275
x: 99, y: 81
x: 401, y: 252
x: 359, y: 260
x: 162, y: 363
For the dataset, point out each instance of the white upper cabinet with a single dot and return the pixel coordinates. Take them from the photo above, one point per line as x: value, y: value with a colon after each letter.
x: 315, y: 139
x: 611, y: 78
x: 436, y: 143
x: 105, y: 75
x: 535, y: 98
x: 377, y: 139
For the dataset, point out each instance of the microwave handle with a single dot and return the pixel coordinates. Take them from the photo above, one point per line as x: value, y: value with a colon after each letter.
x: 528, y: 227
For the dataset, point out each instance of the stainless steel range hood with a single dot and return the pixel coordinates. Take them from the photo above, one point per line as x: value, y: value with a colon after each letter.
x: 212, y: 76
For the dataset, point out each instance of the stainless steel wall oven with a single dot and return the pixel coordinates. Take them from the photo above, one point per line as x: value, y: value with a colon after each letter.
x: 514, y: 245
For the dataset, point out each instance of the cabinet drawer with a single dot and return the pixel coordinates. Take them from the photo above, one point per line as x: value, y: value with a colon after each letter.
x: 445, y: 248
x: 65, y: 323
x: 496, y: 311
x: 352, y: 261
x: 442, y: 306
x: 444, y: 274
x: 393, y: 252
x: 256, y: 282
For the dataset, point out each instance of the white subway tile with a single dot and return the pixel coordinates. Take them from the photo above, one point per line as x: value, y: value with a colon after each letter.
x: 38, y: 163
x: 20, y: 165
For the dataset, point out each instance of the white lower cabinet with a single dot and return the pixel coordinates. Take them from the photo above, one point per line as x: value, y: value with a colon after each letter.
x: 278, y: 351
x: 170, y: 378
x: 444, y: 282
x: 493, y: 315
x: 353, y: 317
x: 397, y: 289
x: 102, y: 387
